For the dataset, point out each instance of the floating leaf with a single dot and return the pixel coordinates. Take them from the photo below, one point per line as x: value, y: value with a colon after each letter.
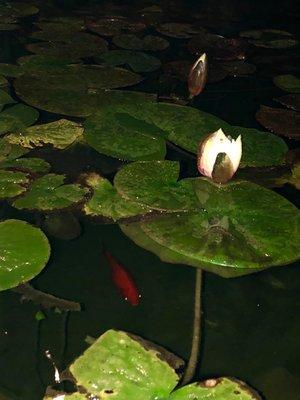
x: 9, y: 152
x: 154, y: 185
x: 5, y: 99
x: 10, y: 70
x: 270, y: 38
x: 126, y: 139
x: 138, y: 61
x: 24, y: 252
x: 58, y: 30
x: 107, y: 203
x: 40, y: 63
x: 289, y: 83
x: 113, y: 26
x: 60, y: 134
x: 49, y: 193
x: 3, y: 81
x: 282, y: 122
x: 17, y: 118
x: 78, y: 90
x: 292, y: 178
x: 32, y: 165
x: 74, y: 46
x: 148, y: 376
x: 12, y: 183
x: 132, y: 42
x: 290, y: 100
x: 177, y: 30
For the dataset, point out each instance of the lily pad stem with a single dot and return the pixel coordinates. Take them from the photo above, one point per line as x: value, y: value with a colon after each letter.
x: 193, y: 360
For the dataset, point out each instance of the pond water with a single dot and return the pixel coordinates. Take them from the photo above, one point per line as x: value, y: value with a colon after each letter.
x: 251, y: 324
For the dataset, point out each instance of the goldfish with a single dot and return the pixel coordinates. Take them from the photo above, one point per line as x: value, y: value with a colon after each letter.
x: 123, y: 280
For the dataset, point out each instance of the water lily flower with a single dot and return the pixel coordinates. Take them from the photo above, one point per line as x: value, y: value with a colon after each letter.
x: 197, y: 76
x: 215, y: 144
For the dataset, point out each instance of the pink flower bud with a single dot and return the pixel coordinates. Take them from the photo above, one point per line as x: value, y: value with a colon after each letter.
x: 197, y: 76
x: 214, y: 144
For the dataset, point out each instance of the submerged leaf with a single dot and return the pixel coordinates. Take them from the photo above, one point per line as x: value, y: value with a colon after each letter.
x: 24, y: 252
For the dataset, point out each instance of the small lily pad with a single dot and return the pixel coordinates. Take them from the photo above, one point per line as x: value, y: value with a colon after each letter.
x: 49, y: 193
x: 17, y: 118
x: 137, y: 61
x: 24, y: 252
x: 113, y: 26
x: 5, y: 99
x: 177, y: 30
x: 133, y: 42
x: 107, y: 203
x: 270, y: 38
x: 60, y: 134
x: 32, y: 165
x: 289, y: 83
x: 290, y: 101
x: 74, y: 46
x: 12, y: 183
x: 280, y: 121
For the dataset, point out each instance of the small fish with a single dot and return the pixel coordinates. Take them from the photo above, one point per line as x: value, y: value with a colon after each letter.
x: 198, y: 76
x: 123, y: 280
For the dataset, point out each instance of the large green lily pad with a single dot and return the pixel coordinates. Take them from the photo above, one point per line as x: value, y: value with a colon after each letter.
x: 49, y: 193
x: 231, y: 229
x: 60, y: 134
x: 137, y: 60
x: 30, y: 164
x: 184, y: 126
x: 124, y: 138
x: 17, y: 118
x: 24, y: 252
x: 78, y: 90
x: 5, y: 99
x: 107, y: 203
x: 12, y: 183
x: 289, y: 83
x: 132, y: 368
x: 74, y: 46
x: 145, y: 375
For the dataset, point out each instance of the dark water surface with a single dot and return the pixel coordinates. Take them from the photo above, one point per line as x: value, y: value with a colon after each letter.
x: 251, y: 326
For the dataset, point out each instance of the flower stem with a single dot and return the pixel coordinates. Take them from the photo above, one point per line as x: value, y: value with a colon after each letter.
x: 192, y: 364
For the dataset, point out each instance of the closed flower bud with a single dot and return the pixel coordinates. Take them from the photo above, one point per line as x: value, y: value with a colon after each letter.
x: 197, y: 76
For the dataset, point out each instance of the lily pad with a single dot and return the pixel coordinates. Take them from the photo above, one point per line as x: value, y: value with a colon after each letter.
x: 282, y: 122
x: 78, y: 90
x: 270, y: 38
x: 3, y: 81
x: 289, y: 83
x: 58, y: 30
x: 133, y: 42
x: 12, y: 183
x: 113, y: 26
x: 37, y: 63
x: 15, y: 9
x: 60, y: 134
x: 5, y: 99
x: 49, y: 193
x: 62, y: 225
x: 17, y: 118
x: 125, y: 138
x: 290, y: 101
x: 9, y: 152
x: 10, y: 70
x: 24, y: 252
x: 229, y: 229
x: 177, y: 30
x: 32, y: 165
x: 184, y: 126
x: 74, y: 46
x: 137, y: 61
x: 148, y: 376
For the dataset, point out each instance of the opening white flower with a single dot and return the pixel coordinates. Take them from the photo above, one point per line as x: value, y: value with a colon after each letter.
x: 217, y: 143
